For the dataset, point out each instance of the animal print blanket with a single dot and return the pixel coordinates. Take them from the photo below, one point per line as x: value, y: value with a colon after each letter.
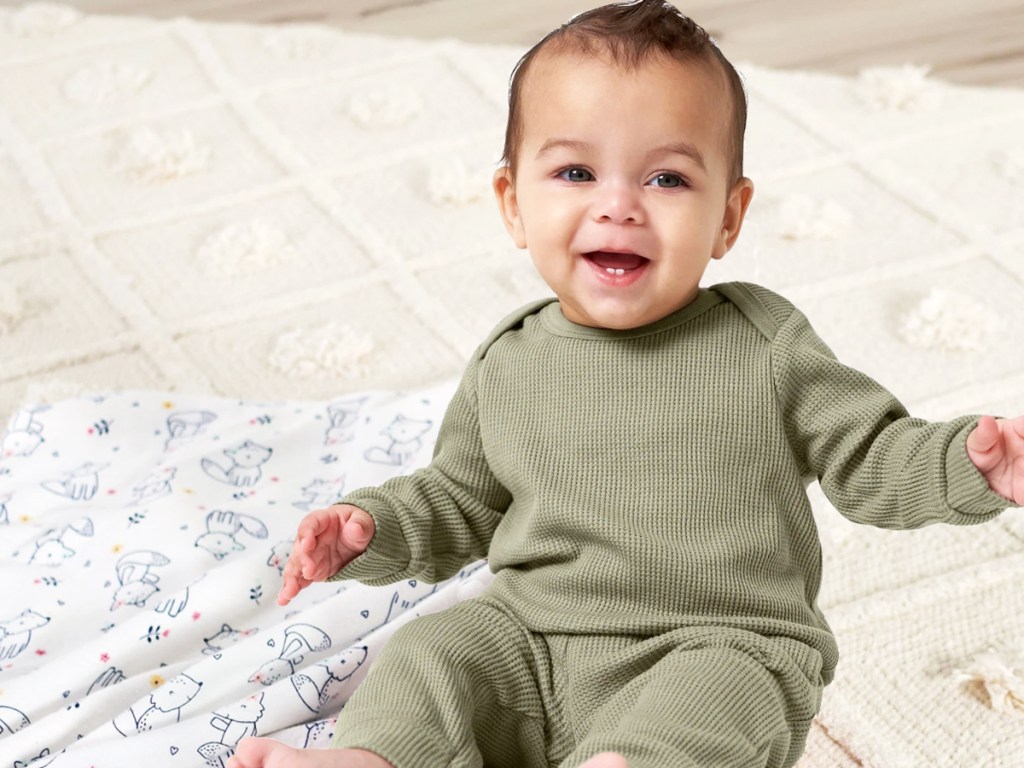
x: 142, y: 537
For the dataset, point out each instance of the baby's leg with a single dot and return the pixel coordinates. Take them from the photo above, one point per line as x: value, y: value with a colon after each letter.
x: 268, y: 753
x: 457, y: 689
x: 728, y: 701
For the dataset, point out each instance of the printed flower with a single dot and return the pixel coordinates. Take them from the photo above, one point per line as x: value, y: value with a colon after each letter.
x: 323, y: 353
x: 947, y: 321
x: 244, y: 248
x: 43, y: 19
x: 389, y: 109
x: 803, y: 218
x: 898, y: 89
x: 152, y: 156
x: 105, y: 82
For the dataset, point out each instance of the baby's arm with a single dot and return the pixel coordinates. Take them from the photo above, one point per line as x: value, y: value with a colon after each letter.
x: 327, y: 541
x: 876, y: 464
x: 996, y: 447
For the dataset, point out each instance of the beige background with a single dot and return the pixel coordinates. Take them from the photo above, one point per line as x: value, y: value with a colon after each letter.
x: 979, y: 42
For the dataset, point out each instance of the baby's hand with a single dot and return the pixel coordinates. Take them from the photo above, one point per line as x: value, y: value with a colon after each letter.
x: 996, y: 446
x: 327, y: 541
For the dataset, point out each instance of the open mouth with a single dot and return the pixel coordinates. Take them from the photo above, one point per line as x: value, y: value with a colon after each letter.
x: 617, y: 267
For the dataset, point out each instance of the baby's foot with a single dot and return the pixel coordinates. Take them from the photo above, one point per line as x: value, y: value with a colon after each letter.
x: 606, y: 760
x: 268, y: 753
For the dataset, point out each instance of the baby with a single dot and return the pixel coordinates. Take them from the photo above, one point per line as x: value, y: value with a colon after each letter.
x: 631, y: 456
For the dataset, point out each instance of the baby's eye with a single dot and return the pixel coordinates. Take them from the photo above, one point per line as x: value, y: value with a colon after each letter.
x: 576, y: 174
x: 668, y: 180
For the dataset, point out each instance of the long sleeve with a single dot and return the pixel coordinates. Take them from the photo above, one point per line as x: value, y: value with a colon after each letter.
x: 876, y: 464
x: 431, y: 523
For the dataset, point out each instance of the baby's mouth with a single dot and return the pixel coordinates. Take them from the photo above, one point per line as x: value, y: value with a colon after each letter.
x: 617, y: 264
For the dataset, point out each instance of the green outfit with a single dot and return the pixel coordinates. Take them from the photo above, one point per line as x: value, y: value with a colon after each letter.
x: 632, y: 486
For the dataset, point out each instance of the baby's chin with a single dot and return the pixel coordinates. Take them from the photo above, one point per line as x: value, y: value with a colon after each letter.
x: 607, y: 319
x: 622, y: 316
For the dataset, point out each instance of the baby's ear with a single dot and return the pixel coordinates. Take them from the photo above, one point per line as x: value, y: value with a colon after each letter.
x: 735, y: 210
x: 508, y: 206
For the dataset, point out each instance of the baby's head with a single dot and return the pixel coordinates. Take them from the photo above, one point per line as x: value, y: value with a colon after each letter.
x: 623, y: 163
x: 630, y: 34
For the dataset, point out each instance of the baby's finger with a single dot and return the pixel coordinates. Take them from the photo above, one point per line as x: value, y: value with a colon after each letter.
x: 311, y: 526
x: 289, y: 589
x: 984, y: 437
x: 1017, y: 425
x: 358, y: 532
x: 312, y: 565
x: 1017, y: 483
x: 287, y: 582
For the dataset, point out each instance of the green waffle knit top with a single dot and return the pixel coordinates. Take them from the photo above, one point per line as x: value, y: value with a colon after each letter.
x: 638, y: 481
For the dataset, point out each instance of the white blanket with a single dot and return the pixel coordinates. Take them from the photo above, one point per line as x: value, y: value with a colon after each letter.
x: 141, y: 543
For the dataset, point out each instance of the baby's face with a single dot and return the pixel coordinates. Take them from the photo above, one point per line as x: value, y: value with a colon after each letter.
x: 621, y: 192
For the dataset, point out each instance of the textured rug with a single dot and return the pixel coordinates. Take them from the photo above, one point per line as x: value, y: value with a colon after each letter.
x: 298, y: 213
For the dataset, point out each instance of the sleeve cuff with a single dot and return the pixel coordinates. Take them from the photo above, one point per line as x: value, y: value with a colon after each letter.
x: 967, y: 490
x: 387, y: 557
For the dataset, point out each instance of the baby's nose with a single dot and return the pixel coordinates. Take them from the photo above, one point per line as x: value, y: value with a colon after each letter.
x: 618, y: 203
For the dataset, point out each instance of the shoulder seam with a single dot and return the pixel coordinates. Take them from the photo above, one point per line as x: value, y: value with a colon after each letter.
x: 753, y: 308
x: 509, y: 322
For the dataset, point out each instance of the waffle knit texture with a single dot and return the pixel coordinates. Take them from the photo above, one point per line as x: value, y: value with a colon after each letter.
x: 639, y: 481
x: 472, y: 686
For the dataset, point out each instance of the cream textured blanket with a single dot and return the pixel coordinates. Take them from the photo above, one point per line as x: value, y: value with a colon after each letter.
x: 296, y: 213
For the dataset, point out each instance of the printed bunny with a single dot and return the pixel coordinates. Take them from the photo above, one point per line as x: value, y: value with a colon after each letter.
x: 299, y: 639
x: 24, y: 434
x: 185, y: 425
x: 138, y: 581
x: 343, y: 415
x: 321, y: 683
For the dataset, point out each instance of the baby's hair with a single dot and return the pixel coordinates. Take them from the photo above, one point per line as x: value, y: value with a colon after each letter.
x: 631, y: 33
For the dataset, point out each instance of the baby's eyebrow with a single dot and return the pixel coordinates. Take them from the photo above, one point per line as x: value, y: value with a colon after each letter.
x: 551, y: 145
x: 682, y: 148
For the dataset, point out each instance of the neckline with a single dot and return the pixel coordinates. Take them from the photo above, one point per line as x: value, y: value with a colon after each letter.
x: 554, y: 321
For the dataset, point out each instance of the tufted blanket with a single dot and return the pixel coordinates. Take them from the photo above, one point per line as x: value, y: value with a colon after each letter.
x: 240, y: 268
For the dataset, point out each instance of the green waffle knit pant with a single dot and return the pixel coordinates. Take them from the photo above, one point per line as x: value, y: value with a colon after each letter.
x: 472, y: 687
